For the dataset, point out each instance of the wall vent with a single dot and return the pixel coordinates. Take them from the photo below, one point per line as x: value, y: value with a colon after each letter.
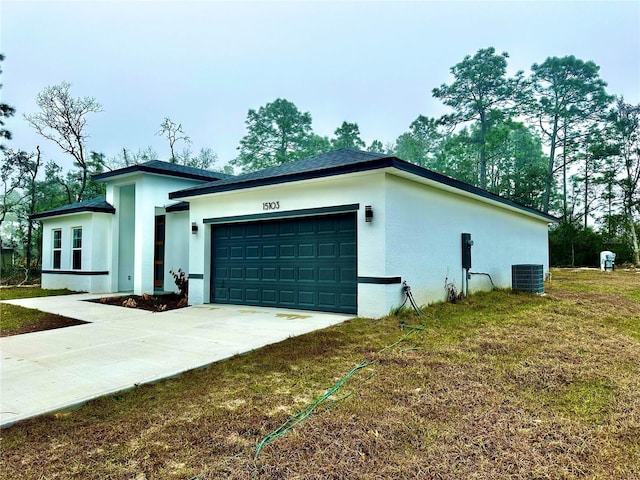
x: 527, y: 278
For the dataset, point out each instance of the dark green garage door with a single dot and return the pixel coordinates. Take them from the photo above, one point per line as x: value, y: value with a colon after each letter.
x: 307, y: 263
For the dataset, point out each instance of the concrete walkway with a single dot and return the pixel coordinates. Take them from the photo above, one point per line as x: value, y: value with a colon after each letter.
x: 48, y: 371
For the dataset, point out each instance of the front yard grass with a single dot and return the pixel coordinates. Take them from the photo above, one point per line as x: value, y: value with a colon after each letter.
x: 15, y: 320
x: 14, y: 293
x: 501, y: 385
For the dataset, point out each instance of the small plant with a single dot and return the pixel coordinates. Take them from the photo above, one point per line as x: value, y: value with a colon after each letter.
x: 452, y: 293
x: 181, y: 281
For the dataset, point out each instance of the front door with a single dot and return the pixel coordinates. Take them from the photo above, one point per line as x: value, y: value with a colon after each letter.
x: 158, y: 254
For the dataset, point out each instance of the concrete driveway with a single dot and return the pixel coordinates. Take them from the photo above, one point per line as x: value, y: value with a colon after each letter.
x: 48, y: 371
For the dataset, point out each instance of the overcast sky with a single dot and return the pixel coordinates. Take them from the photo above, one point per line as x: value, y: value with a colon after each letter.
x: 204, y: 64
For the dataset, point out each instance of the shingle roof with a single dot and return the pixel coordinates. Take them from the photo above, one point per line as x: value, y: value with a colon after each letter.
x: 99, y: 204
x: 339, y: 162
x: 319, y: 164
x: 164, y: 168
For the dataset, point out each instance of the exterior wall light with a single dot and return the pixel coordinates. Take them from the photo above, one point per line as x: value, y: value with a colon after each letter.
x: 368, y: 214
x: 194, y: 227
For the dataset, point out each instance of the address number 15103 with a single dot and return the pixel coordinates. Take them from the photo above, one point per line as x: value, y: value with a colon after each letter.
x: 270, y: 206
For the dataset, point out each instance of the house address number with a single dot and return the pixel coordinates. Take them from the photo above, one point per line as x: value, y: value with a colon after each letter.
x: 270, y: 206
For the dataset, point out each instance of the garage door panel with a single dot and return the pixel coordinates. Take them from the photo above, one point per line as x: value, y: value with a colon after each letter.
x: 287, y: 297
x: 252, y: 295
x: 235, y: 231
x: 327, y: 250
x: 236, y: 295
x: 327, y: 225
x: 306, y: 228
x: 252, y: 231
x: 287, y: 274
x: 269, y: 295
x: 287, y: 228
x: 269, y: 229
x: 236, y: 273
x: 222, y: 252
x: 221, y: 272
x: 269, y: 273
x: 307, y: 298
x: 326, y: 299
x: 287, y: 251
x: 307, y: 263
x: 327, y: 275
x: 346, y: 224
x: 253, y: 252
x: 252, y: 273
x: 222, y: 232
x: 306, y: 274
x: 348, y: 249
x: 306, y: 250
x: 269, y: 251
x: 222, y: 294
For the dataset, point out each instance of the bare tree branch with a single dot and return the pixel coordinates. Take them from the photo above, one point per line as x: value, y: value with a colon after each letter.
x: 62, y: 119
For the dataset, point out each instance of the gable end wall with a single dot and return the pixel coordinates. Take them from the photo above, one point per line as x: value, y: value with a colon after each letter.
x: 423, y: 238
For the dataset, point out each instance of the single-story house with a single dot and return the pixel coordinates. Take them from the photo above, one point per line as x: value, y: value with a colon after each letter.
x: 336, y: 232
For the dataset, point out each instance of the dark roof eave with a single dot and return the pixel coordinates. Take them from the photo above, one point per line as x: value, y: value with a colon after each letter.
x: 294, y: 177
x: 178, y: 207
x: 148, y: 169
x: 37, y: 216
x: 360, y: 167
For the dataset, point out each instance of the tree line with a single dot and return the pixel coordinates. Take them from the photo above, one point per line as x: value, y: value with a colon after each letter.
x: 553, y: 139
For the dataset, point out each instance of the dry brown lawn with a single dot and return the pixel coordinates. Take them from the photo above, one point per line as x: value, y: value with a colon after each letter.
x: 499, y: 386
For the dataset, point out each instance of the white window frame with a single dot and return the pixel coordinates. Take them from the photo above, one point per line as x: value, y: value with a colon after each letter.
x: 56, y: 249
x: 75, y: 248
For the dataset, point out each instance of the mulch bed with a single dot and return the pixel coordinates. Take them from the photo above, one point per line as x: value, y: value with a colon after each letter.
x: 152, y: 303
x: 49, y: 322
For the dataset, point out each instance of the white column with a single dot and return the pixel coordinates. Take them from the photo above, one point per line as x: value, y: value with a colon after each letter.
x: 144, y: 240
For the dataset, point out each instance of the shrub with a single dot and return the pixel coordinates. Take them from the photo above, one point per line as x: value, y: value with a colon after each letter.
x: 452, y: 293
x: 181, y: 281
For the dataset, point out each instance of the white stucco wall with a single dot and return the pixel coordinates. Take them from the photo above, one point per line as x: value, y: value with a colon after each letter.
x: 123, y: 238
x: 96, y: 254
x: 178, y: 230
x: 424, y: 227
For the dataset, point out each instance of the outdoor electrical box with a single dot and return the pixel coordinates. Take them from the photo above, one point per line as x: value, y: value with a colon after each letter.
x: 467, y: 243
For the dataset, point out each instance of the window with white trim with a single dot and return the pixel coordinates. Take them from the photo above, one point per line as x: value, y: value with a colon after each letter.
x: 76, y: 248
x: 57, y: 248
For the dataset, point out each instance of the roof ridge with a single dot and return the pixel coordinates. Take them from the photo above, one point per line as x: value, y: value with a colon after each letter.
x: 324, y: 162
x: 162, y: 167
